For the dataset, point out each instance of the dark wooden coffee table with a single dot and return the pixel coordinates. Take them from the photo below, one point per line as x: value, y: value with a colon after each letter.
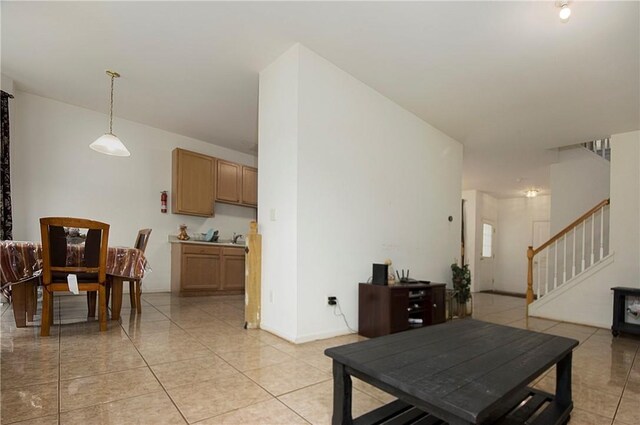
x: 460, y: 372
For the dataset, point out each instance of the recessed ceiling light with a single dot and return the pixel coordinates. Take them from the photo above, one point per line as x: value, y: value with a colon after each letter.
x: 531, y: 193
x: 565, y: 11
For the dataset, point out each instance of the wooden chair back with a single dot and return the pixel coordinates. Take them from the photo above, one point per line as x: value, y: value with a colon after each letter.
x: 142, y: 239
x: 54, y: 247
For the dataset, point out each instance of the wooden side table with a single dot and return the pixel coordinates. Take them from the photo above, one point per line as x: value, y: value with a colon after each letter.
x: 620, y: 324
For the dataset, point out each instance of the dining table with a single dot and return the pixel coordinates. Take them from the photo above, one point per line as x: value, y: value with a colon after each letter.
x: 21, y: 267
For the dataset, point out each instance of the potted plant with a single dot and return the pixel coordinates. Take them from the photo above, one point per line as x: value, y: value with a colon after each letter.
x: 461, y: 277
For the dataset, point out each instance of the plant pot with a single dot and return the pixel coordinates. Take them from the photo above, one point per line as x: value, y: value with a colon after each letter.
x: 462, y: 310
x: 469, y: 307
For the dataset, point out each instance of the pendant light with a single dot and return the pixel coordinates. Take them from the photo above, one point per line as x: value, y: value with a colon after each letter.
x: 109, y: 143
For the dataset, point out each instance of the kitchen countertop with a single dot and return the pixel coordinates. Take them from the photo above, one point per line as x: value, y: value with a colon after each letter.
x: 174, y: 239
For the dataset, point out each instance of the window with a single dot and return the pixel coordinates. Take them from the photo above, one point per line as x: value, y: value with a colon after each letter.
x: 487, y: 240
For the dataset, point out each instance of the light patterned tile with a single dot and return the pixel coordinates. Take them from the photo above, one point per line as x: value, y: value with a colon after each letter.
x: 44, y: 420
x: 103, y: 362
x: 29, y: 402
x: 266, y: 412
x: 96, y: 389
x: 255, y: 358
x: 153, y: 408
x: 191, y: 371
x: 582, y: 417
x: 286, y: 377
x: 315, y: 403
x: 206, y: 399
x: 628, y: 409
x: 16, y: 374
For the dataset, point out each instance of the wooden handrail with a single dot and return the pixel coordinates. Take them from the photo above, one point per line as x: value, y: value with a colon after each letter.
x: 567, y: 229
x: 532, y: 252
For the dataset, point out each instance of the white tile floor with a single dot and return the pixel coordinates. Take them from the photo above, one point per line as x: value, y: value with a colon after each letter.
x: 188, y: 360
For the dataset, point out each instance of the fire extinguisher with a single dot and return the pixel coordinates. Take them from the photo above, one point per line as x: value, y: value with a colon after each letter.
x: 163, y: 201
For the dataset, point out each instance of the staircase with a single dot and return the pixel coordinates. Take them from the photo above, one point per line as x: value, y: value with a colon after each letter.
x: 600, y: 147
x: 574, y: 250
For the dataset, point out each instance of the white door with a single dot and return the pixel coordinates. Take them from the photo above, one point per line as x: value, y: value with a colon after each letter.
x: 541, y: 234
x: 486, y: 271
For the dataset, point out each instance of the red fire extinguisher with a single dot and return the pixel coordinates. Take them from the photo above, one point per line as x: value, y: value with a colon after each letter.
x: 163, y: 201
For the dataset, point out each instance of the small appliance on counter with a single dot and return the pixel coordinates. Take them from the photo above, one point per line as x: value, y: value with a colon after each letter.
x: 211, y: 236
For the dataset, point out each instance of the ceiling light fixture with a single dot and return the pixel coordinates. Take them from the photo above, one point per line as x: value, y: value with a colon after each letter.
x: 565, y: 12
x: 109, y: 143
x: 531, y: 193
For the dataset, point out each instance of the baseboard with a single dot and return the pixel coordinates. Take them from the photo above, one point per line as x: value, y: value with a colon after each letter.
x: 321, y: 335
x: 278, y: 333
x: 506, y: 293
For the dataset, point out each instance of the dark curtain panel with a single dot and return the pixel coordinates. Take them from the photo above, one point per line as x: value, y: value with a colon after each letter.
x: 6, y: 226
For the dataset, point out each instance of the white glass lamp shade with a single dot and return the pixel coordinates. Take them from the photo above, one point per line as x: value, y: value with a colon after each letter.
x: 565, y: 12
x: 110, y: 144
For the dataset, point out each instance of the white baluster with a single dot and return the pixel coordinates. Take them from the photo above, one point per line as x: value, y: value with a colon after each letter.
x: 564, y: 260
x: 555, y: 266
x: 584, y: 231
x: 538, y: 279
x: 601, y: 233
x: 573, y: 263
x: 593, y: 248
x: 546, y: 271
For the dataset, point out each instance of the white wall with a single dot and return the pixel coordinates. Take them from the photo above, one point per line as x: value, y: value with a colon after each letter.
x: 6, y: 84
x: 579, y: 181
x: 373, y: 182
x: 515, y: 234
x: 590, y: 300
x: 277, y: 186
x: 470, y: 233
x: 54, y: 173
x: 486, y: 210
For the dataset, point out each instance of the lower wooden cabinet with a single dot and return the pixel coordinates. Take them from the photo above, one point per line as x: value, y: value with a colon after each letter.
x: 232, y: 269
x: 198, y: 269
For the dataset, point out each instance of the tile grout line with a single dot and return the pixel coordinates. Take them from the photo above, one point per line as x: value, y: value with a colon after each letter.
x: 626, y: 382
x: 273, y: 396
x: 151, y: 370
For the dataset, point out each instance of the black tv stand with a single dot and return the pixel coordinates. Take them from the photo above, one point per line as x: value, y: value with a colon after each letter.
x: 386, y: 309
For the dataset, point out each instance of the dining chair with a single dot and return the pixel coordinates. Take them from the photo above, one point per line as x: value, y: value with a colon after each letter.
x: 114, y: 285
x: 135, y: 286
x: 91, y: 273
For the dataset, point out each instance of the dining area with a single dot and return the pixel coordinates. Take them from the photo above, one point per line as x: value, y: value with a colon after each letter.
x: 73, y: 256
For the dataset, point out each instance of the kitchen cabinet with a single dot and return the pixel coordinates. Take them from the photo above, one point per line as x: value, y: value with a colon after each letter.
x: 236, y: 184
x: 249, y: 185
x: 192, y: 183
x: 233, y: 269
x: 384, y: 310
x: 229, y: 182
x: 207, y: 269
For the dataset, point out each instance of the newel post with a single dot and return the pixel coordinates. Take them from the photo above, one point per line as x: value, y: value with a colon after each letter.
x: 253, y: 277
x: 529, y: 275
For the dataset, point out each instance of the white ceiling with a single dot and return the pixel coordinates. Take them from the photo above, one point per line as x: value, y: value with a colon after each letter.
x: 507, y: 79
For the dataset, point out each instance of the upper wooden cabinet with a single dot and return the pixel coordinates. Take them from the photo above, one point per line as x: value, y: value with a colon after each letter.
x: 193, y: 183
x: 249, y: 185
x: 229, y: 182
x: 236, y: 184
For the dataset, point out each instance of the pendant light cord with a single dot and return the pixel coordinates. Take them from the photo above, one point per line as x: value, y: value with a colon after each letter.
x: 111, y: 108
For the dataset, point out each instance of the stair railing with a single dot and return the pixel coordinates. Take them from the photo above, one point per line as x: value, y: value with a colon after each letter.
x: 570, y: 252
x: 600, y: 147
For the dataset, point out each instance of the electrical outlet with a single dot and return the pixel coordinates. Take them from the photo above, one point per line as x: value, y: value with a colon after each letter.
x: 332, y: 300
